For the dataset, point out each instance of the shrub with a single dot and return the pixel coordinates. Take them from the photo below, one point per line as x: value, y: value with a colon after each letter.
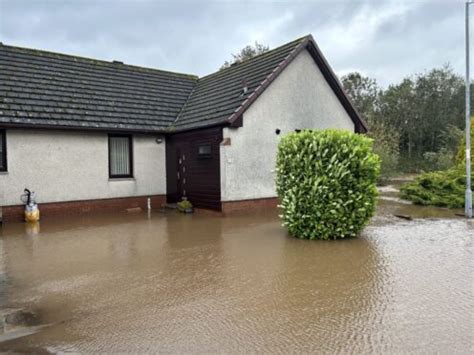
x: 326, y: 183
x: 439, y: 188
x: 461, y: 155
x: 442, y: 160
x: 184, y: 204
x: 445, y: 188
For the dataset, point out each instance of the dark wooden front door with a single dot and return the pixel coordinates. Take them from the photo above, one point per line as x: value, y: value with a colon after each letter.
x: 193, y: 167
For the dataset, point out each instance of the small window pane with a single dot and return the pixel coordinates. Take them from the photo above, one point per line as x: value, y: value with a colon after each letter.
x: 120, y: 156
x: 204, y: 151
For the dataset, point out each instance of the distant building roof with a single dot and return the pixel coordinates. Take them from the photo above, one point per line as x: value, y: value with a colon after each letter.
x: 44, y: 89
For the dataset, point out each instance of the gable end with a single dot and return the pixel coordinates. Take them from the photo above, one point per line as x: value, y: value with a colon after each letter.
x: 331, y: 78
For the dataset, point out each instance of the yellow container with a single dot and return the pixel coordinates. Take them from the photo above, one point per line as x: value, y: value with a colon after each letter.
x: 32, y: 216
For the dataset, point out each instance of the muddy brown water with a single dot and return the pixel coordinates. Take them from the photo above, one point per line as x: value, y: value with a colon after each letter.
x: 203, y: 283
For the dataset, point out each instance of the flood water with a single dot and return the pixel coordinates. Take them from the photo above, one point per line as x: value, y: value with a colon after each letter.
x: 203, y: 283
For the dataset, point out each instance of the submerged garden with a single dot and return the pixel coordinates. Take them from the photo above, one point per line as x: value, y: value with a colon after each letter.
x: 136, y: 282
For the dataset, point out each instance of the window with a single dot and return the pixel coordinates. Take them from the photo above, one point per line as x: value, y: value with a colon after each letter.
x: 120, y: 156
x: 3, y: 150
x: 204, y: 151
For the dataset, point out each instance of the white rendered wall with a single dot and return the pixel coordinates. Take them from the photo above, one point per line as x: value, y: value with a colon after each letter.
x: 71, y: 166
x: 299, y: 98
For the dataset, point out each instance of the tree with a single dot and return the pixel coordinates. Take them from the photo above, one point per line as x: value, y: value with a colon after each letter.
x: 422, y: 108
x: 365, y: 95
x: 246, y: 53
x: 420, y: 113
x: 397, y: 108
x: 363, y: 92
x: 438, y: 93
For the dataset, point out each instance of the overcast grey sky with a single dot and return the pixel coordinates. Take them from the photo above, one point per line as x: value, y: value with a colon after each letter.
x: 384, y: 39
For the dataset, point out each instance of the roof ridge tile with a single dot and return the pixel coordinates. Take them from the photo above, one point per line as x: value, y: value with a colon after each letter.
x: 89, y: 60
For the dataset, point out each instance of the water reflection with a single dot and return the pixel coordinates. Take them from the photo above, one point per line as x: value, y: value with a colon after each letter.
x: 32, y: 229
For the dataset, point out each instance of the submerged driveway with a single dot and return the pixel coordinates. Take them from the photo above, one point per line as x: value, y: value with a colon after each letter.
x: 203, y: 283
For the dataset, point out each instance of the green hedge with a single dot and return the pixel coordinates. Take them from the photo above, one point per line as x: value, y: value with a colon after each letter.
x: 326, y: 183
x: 438, y: 188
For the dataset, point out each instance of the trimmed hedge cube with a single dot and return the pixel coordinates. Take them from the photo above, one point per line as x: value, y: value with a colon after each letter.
x: 326, y: 182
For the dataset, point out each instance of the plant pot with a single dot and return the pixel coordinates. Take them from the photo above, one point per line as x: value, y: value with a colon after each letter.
x: 186, y: 210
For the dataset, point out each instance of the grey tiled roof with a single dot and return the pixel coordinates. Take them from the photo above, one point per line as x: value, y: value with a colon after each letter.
x: 217, y: 96
x: 44, y: 89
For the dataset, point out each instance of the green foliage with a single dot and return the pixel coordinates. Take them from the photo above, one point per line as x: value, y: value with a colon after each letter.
x: 184, y: 205
x: 389, y: 163
x: 246, y: 53
x: 422, y: 107
x: 326, y: 183
x: 365, y: 95
x: 442, y: 160
x: 386, y: 146
x: 420, y: 111
x: 450, y: 138
x: 439, y: 188
x: 461, y: 154
x: 445, y: 188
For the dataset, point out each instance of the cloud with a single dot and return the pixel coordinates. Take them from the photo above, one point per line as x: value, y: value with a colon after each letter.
x: 383, y: 39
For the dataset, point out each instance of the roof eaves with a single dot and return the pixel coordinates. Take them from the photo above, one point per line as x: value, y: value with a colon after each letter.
x: 82, y: 128
x: 194, y: 126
